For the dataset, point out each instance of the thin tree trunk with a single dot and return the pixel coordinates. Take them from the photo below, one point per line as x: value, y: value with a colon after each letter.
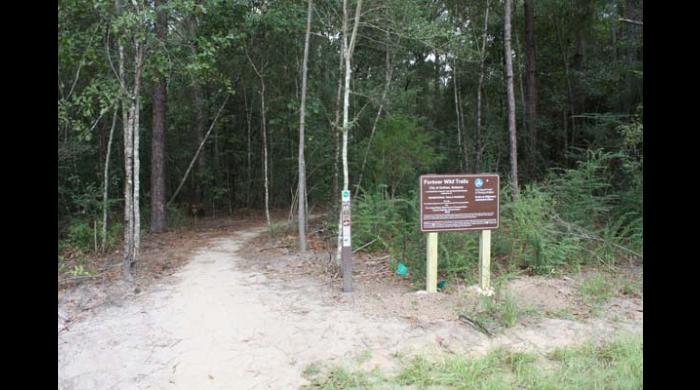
x: 137, y: 159
x: 348, y: 48
x: 465, y: 144
x: 459, y: 127
x: 531, y: 72
x: 248, y: 114
x: 105, y: 192
x: 346, y: 99
x: 263, y: 130
x: 387, y: 83
x: 199, y: 124
x: 569, y: 88
x: 336, y: 132
x: 128, y: 167
x: 511, y: 100
x: 521, y: 85
x: 158, y: 212
x: 302, y: 114
x: 479, y: 92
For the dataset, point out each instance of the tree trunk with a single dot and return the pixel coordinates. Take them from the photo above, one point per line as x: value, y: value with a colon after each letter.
x: 531, y: 73
x: 263, y: 129
x: 479, y: 93
x: 387, y: 82
x: 348, y: 48
x: 511, y: 100
x: 158, y: 212
x: 336, y: 133
x: 199, y: 124
x: 128, y: 167
x: 248, y: 115
x: 459, y: 126
x: 105, y: 192
x: 569, y: 88
x: 302, y: 114
x: 137, y: 160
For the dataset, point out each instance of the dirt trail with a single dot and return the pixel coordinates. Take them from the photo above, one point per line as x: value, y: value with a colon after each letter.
x: 214, y: 326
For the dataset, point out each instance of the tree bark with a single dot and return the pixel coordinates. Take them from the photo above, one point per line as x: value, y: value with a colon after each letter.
x: 158, y: 212
x: 199, y: 125
x: 302, y: 114
x: 459, y: 127
x: 569, y: 88
x: 336, y: 133
x: 479, y: 93
x: 137, y: 160
x: 263, y: 130
x: 105, y: 192
x: 387, y: 82
x: 511, y: 100
x: 531, y: 73
x: 128, y: 165
x: 249, y: 170
x: 348, y: 48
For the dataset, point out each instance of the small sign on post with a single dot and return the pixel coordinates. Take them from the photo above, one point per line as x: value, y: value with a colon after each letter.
x: 459, y: 203
x: 346, y: 251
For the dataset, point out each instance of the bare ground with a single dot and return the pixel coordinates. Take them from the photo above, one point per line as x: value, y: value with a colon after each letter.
x: 248, y: 313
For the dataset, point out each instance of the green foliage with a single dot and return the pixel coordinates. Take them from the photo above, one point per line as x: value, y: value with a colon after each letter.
x: 401, y: 150
x: 585, y: 193
x: 381, y: 220
x: 79, y: 270
x: 529, y: 235
x: 590, y: 213
x: 81, y: 236
x: 587, y: 211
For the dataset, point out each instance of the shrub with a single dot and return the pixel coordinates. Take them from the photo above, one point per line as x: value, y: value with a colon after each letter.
x: 530, y: 235
x: 81, y: 236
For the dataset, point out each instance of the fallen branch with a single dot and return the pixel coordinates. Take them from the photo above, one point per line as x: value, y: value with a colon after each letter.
x: 365, y: 245
x: 474, y: 324
x: 631, y: 21
x: 583, y: 233
x: 199, y: 149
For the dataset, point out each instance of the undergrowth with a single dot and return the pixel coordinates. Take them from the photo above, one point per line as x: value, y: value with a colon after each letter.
x: 591, y: 214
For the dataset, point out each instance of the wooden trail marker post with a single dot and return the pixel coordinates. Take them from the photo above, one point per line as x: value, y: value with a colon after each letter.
x: 346, y: 251
x: 459, y: 203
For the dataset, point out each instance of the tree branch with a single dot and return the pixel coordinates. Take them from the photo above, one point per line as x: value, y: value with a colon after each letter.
x: 199, y: 149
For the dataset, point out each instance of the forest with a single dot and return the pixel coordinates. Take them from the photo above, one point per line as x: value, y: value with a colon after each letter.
x: 204, y: 148
x: 170, y: 110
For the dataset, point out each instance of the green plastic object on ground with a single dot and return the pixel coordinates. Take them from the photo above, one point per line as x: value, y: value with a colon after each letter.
x: 401, y: 269
x: 441, y: 284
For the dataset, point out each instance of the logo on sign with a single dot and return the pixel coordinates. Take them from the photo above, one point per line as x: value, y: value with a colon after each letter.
x: 346, y: 195
x: 478, y: 183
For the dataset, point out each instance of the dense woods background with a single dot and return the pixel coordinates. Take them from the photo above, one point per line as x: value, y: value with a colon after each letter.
x: 144, y: 85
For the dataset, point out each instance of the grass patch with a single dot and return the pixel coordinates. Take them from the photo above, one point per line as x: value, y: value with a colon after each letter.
x: 499, y: 311
x: 614, y: 365
x: 598, y: 289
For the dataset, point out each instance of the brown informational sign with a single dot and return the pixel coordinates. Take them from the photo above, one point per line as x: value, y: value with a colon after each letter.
x: 459, y: 202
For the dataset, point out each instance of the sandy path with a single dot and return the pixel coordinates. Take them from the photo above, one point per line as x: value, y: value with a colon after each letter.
x: 213, y: 326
